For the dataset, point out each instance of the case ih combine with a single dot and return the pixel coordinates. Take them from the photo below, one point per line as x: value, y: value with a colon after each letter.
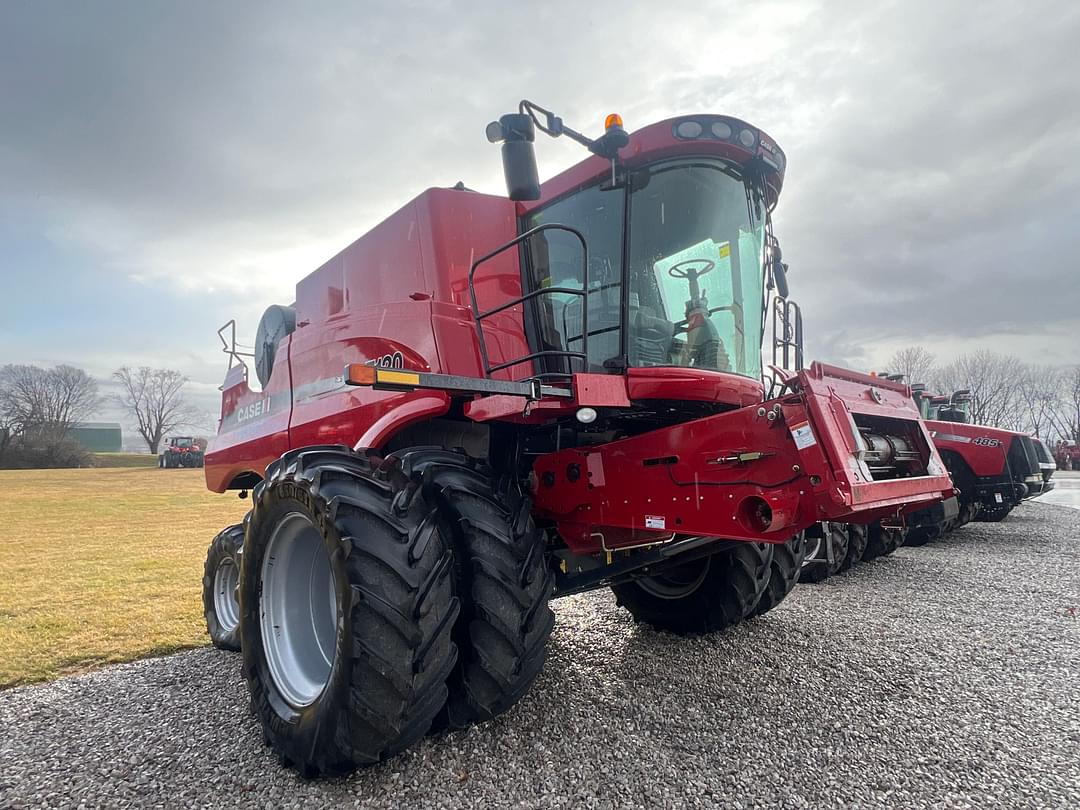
x: 485, y: 402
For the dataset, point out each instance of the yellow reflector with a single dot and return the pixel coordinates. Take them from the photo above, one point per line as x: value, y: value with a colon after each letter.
x: 360, y: 374
x: 397, y: 377
x: 613, y: 120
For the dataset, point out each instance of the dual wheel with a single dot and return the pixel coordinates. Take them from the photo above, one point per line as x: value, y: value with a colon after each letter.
x: 380, y: 599
x: 374, y: 600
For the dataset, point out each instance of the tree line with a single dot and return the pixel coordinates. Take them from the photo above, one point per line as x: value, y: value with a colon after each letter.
x: 39, y: 407
x: 1005, y: 391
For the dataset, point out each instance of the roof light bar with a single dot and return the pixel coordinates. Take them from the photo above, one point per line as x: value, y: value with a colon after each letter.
x: 733, y: 131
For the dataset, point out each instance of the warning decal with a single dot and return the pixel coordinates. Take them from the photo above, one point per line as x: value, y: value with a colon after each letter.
x: 655, y: 522
x: 803, y: 435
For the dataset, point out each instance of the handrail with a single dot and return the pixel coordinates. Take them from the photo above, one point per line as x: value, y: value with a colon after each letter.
x: 787, y: 328
x: 479, y: 316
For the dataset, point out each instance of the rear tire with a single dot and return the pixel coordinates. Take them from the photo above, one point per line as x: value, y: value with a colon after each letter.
x: 347, y: 608
x: 502, y: 579
x: 922, y: 535
x: 787, y: 560
x: 856, y: 545
x: 703, y: 595
x: 882, y: 541
x: 995, y: 515
x: 221, y: 581
x: 820, y: 569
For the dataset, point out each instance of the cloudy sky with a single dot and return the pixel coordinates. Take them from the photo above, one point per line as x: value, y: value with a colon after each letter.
x: 166, y: 168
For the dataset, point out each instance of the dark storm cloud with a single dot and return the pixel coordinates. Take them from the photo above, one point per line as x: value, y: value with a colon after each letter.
x: 939, y: 197
x: 208, y: 155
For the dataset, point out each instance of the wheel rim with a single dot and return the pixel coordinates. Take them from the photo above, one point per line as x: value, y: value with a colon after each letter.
x: 677, y: 582
x: 813, y: 549
x: 298, y: 610
x: 226, y: 604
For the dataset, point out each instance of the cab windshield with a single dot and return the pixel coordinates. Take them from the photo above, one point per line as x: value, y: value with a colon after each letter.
x: 694, y: 270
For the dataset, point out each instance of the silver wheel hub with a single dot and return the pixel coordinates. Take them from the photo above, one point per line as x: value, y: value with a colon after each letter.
x: 226, y: 603
x: 298, y: 610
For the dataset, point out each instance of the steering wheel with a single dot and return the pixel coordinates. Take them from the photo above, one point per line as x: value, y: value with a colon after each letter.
x: 685, y: 269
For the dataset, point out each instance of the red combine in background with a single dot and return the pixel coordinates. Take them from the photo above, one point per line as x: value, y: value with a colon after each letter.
x: 487, y: 402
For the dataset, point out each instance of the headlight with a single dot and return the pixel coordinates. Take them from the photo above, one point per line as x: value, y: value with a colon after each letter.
x: 688, y: 130
x: 721, y: 130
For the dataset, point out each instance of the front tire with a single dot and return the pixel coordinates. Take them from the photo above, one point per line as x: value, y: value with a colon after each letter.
x: 347, y: 608
x: 221, y: 582
x: 502, y: 579
x: 703, y: 595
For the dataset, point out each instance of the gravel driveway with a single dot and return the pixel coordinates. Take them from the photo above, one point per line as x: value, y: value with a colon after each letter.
x: 942, y: 676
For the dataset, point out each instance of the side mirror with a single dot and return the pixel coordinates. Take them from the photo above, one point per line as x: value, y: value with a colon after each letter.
x: 779, y: 276
x: 516, y: 133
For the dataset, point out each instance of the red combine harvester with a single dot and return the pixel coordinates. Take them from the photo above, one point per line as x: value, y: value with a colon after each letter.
x: 487, y: 402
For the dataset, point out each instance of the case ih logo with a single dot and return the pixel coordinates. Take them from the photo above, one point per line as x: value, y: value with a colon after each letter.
x: 246, y: 412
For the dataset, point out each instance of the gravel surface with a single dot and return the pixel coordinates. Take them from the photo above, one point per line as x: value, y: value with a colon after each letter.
x: 941, y: 676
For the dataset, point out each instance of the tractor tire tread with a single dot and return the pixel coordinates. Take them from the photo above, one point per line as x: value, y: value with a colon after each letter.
x: 503, y: 580
x: 227, y: 544
x: 400, y: 605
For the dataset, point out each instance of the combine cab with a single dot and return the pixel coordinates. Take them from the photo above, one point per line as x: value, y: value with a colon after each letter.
x: 487, y: 402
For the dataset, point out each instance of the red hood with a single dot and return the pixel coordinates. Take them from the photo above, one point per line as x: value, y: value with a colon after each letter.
x: 982, y: 448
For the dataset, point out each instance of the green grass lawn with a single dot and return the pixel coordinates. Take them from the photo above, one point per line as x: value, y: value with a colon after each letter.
x: 125, y: 460
x: 102, y: 565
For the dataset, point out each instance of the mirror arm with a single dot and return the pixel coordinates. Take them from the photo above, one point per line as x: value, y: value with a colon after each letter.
x: 553, y: 125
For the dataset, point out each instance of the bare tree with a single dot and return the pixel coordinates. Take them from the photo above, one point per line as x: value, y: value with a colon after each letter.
x: 1066, y: 416
x: 994, y: 382
x: 914, y: 362
x: 1040, y: 393
x: 45, y: 402
x: 155, y: 398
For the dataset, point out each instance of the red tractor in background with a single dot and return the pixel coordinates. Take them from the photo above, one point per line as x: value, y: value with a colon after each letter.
x: 993, y: 469
x: 485, y: 402
x: 1067, y: 455
x: 182, y: 451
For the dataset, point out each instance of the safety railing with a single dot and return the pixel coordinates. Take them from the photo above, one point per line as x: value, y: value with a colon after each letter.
x: 787, y: 330
x: 480, y: 316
